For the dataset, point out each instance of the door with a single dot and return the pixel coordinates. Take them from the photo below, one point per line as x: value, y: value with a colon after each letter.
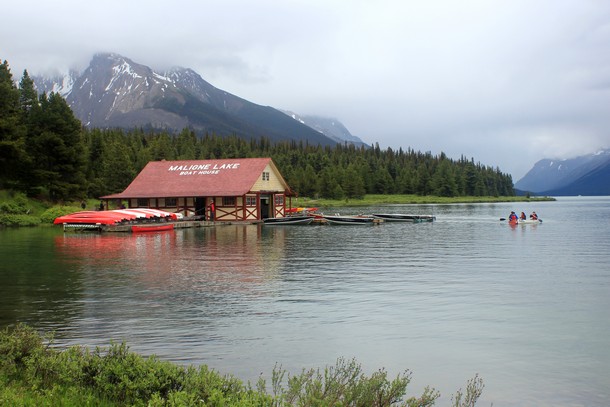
x: 199, y: 206
x: 265, y: 201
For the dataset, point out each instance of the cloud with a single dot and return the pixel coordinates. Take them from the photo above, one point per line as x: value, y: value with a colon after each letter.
x: 474, y: 78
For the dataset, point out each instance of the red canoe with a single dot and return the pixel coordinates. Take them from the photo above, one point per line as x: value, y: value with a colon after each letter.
x: 152, y: 227
x: 113, y: 217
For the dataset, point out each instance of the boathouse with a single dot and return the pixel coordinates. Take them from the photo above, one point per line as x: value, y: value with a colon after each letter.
x: 239, y: 189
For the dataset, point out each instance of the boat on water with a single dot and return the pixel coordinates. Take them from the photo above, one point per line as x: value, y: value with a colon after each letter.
x: 400, y: 217
x: 351, y: 219
x: 525, y: 222
x: 288, y: 220
x: 152, y: 227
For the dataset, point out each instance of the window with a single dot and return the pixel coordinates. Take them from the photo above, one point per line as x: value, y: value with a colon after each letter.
x: 142, y: 202
x: 250, y: 201
x: 265, y: 176
x: 279, y: 200
x: 171, y: 202
x: 228, y: 201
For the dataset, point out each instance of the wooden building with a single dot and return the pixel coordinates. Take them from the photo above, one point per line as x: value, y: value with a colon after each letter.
x: 240, y: 189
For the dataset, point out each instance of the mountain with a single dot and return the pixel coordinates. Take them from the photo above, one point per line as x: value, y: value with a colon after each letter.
x: 583, y: 175
x: 328, y: 126
x: 114, y: 91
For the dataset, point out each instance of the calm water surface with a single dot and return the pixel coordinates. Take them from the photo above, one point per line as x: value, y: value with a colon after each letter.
x: 527, y: 308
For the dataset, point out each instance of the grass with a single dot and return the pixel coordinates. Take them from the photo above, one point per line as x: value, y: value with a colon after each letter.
x: 372, y: 200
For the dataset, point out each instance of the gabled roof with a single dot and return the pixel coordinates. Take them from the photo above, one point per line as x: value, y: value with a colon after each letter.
x: 190, y: 178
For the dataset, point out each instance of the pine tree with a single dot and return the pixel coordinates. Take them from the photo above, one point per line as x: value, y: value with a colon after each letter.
x: 353, y: 184
x: 56, y: 141
x: 28, y: 97
x: 444, y: 180
x: 13, y: 153
x: 117, y: 168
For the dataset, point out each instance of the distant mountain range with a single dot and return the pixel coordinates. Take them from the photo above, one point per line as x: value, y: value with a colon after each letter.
x: 584, y: 175
x: 330, y: 127
x: 115, y: 92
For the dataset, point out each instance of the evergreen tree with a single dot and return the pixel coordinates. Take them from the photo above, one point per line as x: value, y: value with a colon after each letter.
x: 384, y: 184
x: 185, y: 145
x: 444, y: 180
x: 95, y: 141
x: 353, y: 184
x: 56, y: 142
x: 117, y: 168
x: 161, y: 148
x: 13, y: 153
x: 28, y: 97
x: 309, y: 180
x: 328, y: 185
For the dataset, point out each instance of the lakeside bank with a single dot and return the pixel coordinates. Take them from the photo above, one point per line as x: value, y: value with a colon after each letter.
x: 18, y: 210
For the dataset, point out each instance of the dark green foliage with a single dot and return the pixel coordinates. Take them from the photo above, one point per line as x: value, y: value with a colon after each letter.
x: 42, y: 150
x: 12, y: 131
x: 116, y: 157
x: 56, y: 146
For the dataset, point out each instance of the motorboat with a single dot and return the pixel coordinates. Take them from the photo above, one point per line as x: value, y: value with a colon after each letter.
x: 399, y: 217
x: 351, y: 219
x: 289, y: 220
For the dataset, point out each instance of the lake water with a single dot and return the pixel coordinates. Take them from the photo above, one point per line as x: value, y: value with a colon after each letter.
x: 527, y: 308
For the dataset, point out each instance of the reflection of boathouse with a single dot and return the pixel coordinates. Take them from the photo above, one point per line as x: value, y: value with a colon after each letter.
x: 241, y: 189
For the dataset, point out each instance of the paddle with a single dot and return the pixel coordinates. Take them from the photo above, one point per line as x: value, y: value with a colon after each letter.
x: 501, y: 219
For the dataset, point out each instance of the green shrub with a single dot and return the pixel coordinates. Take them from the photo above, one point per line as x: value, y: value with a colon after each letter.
x: 19, y: 220
x: 18, y: 205
x: 32, y: 373
x: 17, y: 345
x: 50, y: 214
x: 345, y: 384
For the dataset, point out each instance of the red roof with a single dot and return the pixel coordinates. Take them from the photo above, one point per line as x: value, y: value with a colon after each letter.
x: 188, y: 178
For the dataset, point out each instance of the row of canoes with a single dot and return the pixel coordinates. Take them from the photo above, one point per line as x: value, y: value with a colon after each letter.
x: 140, y: 219
x: 347, y: 219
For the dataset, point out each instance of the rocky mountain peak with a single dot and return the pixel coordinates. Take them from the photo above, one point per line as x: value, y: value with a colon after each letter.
x: 584, y: 175
x: 115, y: 91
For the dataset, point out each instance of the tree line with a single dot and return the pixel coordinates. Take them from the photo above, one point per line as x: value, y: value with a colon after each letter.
x: 46, y: 152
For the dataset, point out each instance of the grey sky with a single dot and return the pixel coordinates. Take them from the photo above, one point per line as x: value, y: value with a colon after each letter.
x: 504, y: 82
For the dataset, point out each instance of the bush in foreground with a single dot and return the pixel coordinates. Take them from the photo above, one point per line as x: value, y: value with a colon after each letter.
x: 34, y: 373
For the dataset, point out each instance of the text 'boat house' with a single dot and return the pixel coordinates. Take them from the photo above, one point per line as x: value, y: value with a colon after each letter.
x: 240, y: 189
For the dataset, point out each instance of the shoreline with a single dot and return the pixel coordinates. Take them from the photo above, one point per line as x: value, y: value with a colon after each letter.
x: 371, y: 200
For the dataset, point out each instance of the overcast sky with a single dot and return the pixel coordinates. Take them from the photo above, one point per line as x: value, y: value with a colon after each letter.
x: 504, y: 82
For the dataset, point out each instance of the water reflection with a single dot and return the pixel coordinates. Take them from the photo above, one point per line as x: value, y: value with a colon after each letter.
x: 194, y: 278
x: 464, y: 294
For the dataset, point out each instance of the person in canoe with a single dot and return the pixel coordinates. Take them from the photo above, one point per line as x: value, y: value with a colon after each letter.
x: 522, y: 216
x: 534, y: 216
x: 512, y: 218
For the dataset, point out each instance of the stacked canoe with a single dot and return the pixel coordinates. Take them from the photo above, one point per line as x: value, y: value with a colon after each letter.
x: 137, y: 216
